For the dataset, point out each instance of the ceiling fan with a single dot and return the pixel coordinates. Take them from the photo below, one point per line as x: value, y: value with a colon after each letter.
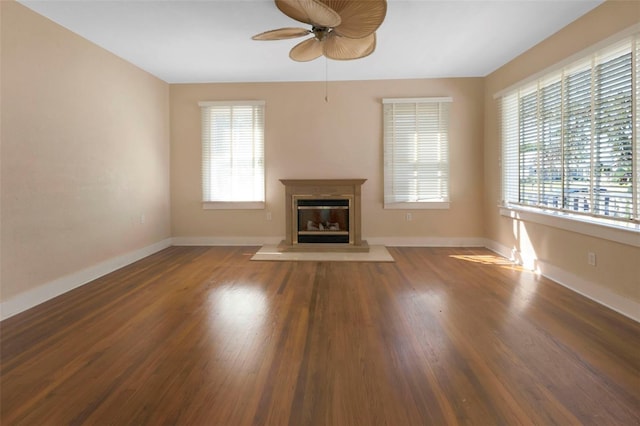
x: 341, y: 29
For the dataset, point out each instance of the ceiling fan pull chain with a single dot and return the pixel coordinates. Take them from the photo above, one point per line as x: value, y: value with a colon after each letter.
x: 326, y: 79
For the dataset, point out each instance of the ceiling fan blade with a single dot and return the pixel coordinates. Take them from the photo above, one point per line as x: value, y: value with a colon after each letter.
x: 344, y: 48
x: 308, y: 50
x: 359, y: 18
x: 282, y: 34
x: 312, y: 12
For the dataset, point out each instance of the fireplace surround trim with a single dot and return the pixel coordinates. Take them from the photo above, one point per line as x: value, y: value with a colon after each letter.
x: 326, y: 189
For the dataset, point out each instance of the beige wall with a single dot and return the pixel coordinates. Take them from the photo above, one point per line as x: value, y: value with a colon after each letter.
x: 306, y: 137
x: 85, y: 153
x: 618, y: 265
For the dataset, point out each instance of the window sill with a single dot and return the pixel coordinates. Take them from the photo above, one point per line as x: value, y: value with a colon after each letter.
x: 620, y: 232
x: 427, y: 205
x: 233, y: 205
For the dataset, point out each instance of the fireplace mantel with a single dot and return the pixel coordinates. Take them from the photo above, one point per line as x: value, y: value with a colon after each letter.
x: 323, y: 189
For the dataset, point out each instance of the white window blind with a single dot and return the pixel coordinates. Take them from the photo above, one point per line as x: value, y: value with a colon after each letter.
x: 233, y: 154
x: 569, y: 139
x: 636, y: 103
x: 510, y: 152
x: 416, y: 152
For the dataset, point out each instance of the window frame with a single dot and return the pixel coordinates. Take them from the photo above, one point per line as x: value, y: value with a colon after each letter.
x: 258, y: 135
x: 616, y: 229
x: 443, y: 121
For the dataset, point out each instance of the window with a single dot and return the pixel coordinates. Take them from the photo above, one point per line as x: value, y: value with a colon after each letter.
x: 416, y: 153
x: 233, y: 154
x: 568, y: 139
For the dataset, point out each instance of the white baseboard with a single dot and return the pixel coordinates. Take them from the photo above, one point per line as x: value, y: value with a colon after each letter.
x: 426, y: 242
x: 588, y: 289
x: 47, y: 291
x: 224, y: 241
x: 593, y: 291
x: 379, y: 241
x: 503, y: 251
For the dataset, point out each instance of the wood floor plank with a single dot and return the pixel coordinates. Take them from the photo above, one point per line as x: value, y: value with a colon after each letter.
x: 204, y: 336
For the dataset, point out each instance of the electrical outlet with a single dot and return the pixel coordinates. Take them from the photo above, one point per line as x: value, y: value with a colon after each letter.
x: 591, y: 258
x: 408, y: 217
x: 268, y: 215
x: 142, y: 219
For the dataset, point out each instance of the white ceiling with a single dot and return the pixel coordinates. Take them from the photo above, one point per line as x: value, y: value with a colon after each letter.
x: 187, y: 41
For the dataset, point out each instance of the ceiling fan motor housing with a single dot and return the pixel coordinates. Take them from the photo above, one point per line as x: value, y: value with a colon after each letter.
x: 320, y: 32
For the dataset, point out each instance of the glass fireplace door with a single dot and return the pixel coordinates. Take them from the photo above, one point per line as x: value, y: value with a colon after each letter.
x: 323, y: 220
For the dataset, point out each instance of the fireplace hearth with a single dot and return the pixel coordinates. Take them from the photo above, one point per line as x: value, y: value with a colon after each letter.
x: 323, y: 215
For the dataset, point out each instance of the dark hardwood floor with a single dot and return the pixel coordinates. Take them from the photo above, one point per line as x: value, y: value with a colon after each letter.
x: 204, y: 336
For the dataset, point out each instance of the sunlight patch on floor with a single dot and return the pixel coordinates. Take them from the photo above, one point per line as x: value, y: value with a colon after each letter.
x: 489, y: 259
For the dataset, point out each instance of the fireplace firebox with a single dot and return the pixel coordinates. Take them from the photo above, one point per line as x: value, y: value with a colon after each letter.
x: 323, y: 220
x: 323, y: 215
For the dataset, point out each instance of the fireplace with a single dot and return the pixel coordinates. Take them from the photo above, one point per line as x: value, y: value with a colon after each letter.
x: 323, y: 215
